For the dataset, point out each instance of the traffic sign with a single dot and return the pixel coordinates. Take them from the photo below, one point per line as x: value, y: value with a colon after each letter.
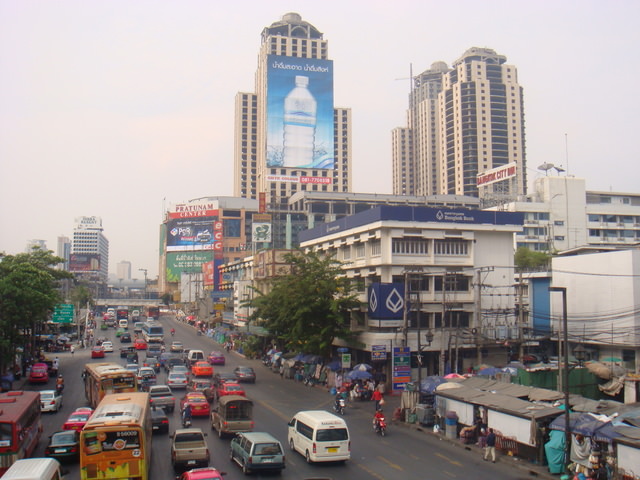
x: 63, y: 313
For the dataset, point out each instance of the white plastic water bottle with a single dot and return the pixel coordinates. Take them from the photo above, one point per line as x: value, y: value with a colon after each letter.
x: 299, y: 125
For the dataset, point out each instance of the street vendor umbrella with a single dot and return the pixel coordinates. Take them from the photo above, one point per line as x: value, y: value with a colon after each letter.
x: 453, y: 375
x: 490, y: 371
x: 334, y: 365
x: 358, y: 375
x: 429, y: 384
x: 363, y: 367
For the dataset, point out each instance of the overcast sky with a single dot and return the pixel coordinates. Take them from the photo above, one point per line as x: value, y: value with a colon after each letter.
x: 119, y: 108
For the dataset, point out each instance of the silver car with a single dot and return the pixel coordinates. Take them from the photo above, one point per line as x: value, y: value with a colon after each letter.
x: 50, y: 401
x: 177, y: 380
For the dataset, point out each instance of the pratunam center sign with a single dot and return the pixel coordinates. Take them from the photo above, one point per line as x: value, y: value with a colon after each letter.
x: 496, y: 174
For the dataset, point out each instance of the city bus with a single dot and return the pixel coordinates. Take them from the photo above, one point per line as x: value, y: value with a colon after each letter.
x: 101, y: 379
x: 20, y: 426
x: 153, y: 313
x: 116, y: 441
x: 152, y: 332
x: 122, y: 313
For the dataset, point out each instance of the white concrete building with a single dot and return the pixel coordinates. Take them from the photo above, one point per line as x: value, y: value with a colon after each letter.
x: 454, y: 263
x: 560, y: 214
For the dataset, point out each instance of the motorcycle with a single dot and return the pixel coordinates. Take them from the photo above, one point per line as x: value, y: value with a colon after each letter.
x: 380, y: 426
x: 339, y: 406
x: 173, y: 333
x: 186, y: 421
x: 59, y: 388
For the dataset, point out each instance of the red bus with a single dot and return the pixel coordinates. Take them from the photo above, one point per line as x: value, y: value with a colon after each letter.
x: 20, y: 426
x: 153, y: 313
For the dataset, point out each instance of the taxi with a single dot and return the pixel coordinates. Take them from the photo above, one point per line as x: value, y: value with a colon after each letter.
x: 97, y: 351
x: 39, y: 373
x: 229, y: 388
x: 202, y: 369
x: 77, y: 419
x: 140, y: 344
x: 199, y: 404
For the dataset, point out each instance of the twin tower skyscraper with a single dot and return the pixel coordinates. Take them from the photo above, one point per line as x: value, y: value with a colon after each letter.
x: 464, y: 133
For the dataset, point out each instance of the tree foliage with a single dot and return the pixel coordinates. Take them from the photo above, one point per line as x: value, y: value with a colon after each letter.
x: 309, y: 307
x: 28, y: 293
x: 526, y: 259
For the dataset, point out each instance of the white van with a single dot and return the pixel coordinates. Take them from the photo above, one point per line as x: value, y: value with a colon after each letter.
x: 34, y: 469
x: 195, y: 356
x: 319, y: 436
x: 123, y: 324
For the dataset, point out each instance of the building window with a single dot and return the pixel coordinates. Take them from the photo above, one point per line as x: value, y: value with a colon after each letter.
x: 451, y: 247
x: 346, y: 253
x: 360, y: 250
x: 402, y: 246
x: 375, y: 247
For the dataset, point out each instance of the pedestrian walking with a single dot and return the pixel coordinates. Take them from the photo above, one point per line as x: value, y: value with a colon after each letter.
x: 72, y: 349
x: 378, y: 397
x: 490, y: 448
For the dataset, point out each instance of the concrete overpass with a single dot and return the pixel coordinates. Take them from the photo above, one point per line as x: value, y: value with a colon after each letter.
x: 127, y: 302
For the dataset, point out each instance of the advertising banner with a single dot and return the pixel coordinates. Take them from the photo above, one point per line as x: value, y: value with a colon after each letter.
x: 299, y: 112
x: 202, y: 208
x: 261, y: 232
x: 186, y: 262
x: 190, y: 234
x: 84, y: 262
x: 207, y: 274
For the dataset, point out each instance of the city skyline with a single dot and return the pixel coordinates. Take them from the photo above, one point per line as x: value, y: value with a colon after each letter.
x: 117, y: 110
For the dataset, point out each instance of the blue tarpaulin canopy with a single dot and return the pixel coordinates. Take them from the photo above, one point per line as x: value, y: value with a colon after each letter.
x: 429, y: 384
x: 587, y: 425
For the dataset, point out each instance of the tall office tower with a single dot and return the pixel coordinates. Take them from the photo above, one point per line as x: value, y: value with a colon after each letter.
x: 89, y: 249
x: 288, y: 135
x: 466, y: 130
x: 123, y: 270
x: 64, y: 251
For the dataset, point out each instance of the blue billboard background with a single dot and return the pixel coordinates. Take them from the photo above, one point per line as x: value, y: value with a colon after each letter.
x: 191, y: 234
x: 281, y: 80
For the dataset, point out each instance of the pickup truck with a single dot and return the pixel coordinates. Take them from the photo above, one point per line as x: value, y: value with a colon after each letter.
x: 124, y: 351
x: 161, y: 397
x: 189, y: 449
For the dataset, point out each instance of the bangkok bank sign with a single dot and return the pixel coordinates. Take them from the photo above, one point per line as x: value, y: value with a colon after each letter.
x: 496, y: 174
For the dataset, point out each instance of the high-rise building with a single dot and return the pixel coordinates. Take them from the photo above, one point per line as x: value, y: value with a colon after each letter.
x: 89, y: 249
x: 465, y: 131
x: 288, y: 135
x: 123, y: 270
x: 64, y: 251
x: 35, y: 243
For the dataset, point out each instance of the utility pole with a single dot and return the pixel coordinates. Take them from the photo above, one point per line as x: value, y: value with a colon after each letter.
x: 144, y: 270
x: 478, y: 312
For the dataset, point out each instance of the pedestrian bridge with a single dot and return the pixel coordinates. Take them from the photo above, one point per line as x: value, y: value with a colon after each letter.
x: 127, y: 302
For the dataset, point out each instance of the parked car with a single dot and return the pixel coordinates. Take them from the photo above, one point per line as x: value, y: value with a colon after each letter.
x: 140, y: 344
x: 125, y: 338
x: 39, y: 373
x: 50, y: 401
x: 202, y: 369
x: 159, y: 420
x: 97, y: 351
x: 257, y: 451
x: 177, y: 380
x: 216, y: 358
x: 245, y: 374
x: 64, y: 446
x: 107, y: 346
x: 77, y: 419
x: 229, y: 388
x: 208, y: 473
x: 199, y: 404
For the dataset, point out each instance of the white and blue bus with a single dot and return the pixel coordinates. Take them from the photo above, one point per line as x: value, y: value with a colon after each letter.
x: 153, y: 332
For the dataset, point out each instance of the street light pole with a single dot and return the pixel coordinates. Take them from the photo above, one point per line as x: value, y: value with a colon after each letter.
x: 144, y: 270
x: 565, y: 372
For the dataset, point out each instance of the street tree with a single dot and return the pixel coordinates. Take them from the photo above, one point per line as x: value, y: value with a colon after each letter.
x: 28, y: 294
x: 308, y: 307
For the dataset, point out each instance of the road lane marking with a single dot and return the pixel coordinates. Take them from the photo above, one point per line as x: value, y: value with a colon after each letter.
x: 453, y: 462
x: 391, y: 464
x: 369, y: 471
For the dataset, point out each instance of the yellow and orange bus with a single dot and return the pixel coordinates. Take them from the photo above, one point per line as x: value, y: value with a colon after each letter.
x: 101, y: 379
x: 116, y: 441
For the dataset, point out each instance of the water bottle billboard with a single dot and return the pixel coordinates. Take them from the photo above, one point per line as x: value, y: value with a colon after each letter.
x: 299, y: 112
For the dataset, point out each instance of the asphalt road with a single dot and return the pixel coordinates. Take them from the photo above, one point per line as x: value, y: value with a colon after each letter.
x: 404, y: 453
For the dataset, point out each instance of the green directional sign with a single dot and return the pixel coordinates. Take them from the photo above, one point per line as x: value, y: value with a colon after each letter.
x: 63, y: 313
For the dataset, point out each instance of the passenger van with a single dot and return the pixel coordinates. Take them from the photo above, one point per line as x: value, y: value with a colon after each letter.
x: 123, y: 324
x: 319, y: 436
x: 195, y: 356
x: 257, y: 451
x: 34, y: 469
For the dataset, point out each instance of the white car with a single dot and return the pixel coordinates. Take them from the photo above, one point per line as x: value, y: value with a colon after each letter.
x: 50, y: 401
x: 107, y: 346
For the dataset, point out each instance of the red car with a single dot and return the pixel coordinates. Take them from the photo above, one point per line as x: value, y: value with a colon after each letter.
x: 77, y: 419
x: 216, y: 358
x: 229, y: 388
x: 97, y: 352
x: 202, y: 369
x: 207, y: 473
x: 140, y: 344
x: 199, y: 404
x: 39, y: 373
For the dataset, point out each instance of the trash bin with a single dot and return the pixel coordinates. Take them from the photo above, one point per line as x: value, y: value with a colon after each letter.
x: 451, y: 425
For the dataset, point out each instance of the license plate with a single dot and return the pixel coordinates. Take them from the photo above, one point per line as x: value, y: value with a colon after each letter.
x: 59, y: 450
x: 267, y: 460
x: 155, y: 427
x: 332, y: 449
x: 191, y: 462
